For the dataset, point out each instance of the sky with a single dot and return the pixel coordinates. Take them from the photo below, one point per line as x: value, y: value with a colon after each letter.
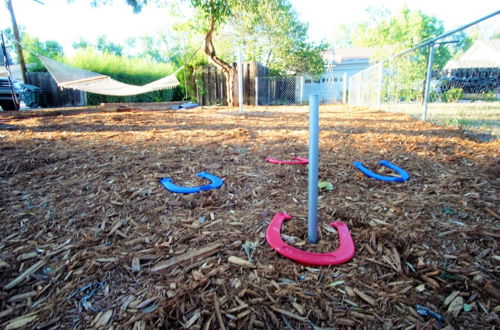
x: 67, y: 22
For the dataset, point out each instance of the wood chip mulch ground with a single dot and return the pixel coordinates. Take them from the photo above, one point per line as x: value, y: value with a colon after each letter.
x: 90, y: 239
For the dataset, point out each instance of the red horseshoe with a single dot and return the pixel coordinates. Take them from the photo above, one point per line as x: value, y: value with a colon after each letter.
x: 344, y: 253
x: 298, y: 160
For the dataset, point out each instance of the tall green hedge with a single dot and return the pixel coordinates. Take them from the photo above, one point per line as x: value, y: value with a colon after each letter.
x: 134, y: 71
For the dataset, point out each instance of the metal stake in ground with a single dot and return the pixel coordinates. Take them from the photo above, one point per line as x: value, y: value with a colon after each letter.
x: 312, y: 225
x: 346, y: 248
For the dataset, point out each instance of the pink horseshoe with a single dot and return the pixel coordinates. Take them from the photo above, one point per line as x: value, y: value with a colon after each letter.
x: 298, y: 160
x: 344, y: 253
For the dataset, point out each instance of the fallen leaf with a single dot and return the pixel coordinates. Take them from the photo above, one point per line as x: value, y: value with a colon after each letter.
x: 420, y: 288
x: 104, y: 319
x: 468, y: 307
x: 325, y: 185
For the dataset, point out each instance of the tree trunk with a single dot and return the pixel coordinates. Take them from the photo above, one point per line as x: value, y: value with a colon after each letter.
x: 228, y: 70
x: 18, y: 41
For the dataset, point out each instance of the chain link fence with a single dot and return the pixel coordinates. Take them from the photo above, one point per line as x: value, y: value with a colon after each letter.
x: 284, y: 90
x: 439, y: 81
x: 366, y: 86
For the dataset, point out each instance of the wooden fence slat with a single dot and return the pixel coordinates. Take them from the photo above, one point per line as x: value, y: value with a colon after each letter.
x: 55, y: 96
x: 214, y: 84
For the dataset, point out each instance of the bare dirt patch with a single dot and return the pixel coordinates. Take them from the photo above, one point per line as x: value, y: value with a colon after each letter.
x: 86, y: 224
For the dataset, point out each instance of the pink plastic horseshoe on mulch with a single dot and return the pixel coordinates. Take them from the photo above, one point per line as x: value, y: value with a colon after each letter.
x: 297, y: 160
x: 344, y: 253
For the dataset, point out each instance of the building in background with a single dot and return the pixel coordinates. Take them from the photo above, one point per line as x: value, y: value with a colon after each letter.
x: 341, y: 64
x: 475, y: 71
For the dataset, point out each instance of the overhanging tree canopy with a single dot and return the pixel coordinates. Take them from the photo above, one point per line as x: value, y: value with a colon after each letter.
x: 269, y: 29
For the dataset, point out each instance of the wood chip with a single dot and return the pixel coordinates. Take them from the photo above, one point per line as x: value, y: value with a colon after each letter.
x: 196, y: 315
x: 289, y: 314
x: 136, y: 265
x: 188, y: 256
x: 451, y: 297
x: 25, y: 274
x: 217, y: 312
x: 103, y: 318
x: 364, y: 296
x: 22, y: 296
x: 21, y: 321
x: 456, y: 306
x: 241, y: 262
x: 81, y: 191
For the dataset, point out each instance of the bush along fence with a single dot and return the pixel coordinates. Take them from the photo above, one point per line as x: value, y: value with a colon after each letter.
x: 461, y: 89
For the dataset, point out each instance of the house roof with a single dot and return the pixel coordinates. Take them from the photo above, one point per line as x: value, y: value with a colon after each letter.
x: 338, y: 55
x: 482, y: 54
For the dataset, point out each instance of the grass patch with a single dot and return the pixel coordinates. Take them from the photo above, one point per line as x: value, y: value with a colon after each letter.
x: 478, y: 117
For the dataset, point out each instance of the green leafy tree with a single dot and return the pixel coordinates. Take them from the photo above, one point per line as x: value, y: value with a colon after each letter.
x: 399, y: 32
x: 284, y: 47
x: 392, y: 34
x: 101, y: 44
x: 151, y: 48
x: 273, y: 35
x: 342, y: 36
x: 81, y: 44
x: 34, y: 46
x: 10, y: 44
x: 105, y: 46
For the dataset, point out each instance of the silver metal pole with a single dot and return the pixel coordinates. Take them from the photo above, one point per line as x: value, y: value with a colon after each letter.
x: 428, y: 81
x: 312, y: 225
x: 240, y: 81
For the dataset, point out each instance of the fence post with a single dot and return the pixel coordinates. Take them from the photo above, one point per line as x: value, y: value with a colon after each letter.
x: 256, y: 91
x: 379, y: 90
x: 428, y: 81
x: 223, y: 87
x: 360, y: 81
x: 301, y: 97
x: 240, y: 81
x: 344, y: 88
x: 198, y: 93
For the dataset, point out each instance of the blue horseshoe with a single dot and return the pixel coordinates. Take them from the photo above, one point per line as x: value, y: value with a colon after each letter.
x: 215, y: 182
x: 403, y: 175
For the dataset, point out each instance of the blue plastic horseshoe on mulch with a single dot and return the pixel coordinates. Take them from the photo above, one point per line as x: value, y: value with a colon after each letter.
x: 215, y: 182
x: 403, y: 175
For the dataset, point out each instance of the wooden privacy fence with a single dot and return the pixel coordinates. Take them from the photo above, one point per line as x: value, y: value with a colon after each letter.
x: 55, y: 96
x: 211, y: 87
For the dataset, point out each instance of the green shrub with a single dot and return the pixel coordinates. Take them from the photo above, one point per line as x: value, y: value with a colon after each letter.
x: 453, y: 95
x: 483, y: 96
x: 134, y: 71
x: 490, y: 96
